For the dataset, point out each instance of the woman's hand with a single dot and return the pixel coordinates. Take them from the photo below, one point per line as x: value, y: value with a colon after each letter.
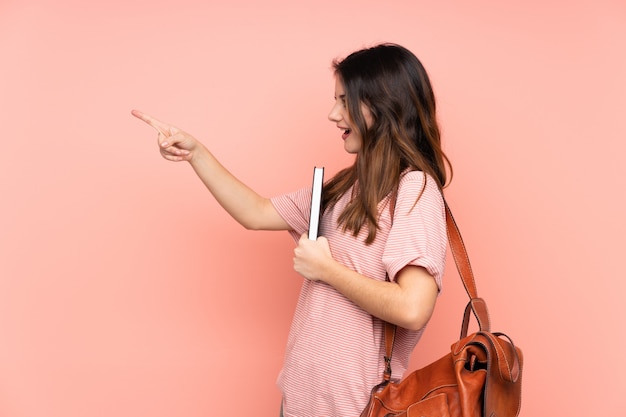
x: 312, y: 258
x: 174, y: 144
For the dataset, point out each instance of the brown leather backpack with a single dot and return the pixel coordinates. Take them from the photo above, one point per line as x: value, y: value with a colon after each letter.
x: 480, y: 377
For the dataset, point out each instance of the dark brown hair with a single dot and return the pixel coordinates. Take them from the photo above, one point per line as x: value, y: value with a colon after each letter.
x: 404, y: 135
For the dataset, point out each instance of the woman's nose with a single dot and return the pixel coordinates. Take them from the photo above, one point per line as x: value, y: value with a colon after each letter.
x: 334, y: 115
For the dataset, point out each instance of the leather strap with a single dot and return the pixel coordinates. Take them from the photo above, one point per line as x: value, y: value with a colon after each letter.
x: 390, y: 336
x: 476, y: 305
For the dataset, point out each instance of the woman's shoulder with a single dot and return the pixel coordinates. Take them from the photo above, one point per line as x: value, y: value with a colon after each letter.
x: 414, y: 179
x: 417, y: 185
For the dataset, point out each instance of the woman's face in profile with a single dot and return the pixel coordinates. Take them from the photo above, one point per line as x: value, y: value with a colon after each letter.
x: 352, y: 140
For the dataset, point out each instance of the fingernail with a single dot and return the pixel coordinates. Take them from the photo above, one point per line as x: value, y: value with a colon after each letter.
x: 165, y: 144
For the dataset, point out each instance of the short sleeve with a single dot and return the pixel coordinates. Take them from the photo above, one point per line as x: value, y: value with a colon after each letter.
x: 295, y: 209
x: 418, y: 231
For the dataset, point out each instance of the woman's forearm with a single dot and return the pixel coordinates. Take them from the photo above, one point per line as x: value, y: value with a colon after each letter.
x: 244, y: 204
x: 408, y: 302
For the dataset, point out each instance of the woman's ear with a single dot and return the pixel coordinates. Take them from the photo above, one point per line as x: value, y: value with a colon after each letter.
x: 368, y: 114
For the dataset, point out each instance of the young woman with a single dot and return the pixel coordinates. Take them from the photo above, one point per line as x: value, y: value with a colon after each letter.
x: 383, y: 240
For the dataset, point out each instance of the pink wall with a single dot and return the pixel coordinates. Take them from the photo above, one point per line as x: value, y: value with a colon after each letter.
x: 126, y: 291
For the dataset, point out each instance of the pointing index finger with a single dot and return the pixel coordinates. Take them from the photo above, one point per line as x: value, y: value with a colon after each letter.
x: 157, y: 124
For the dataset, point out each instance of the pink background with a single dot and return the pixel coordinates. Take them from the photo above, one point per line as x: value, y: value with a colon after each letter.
x: 126, y: 291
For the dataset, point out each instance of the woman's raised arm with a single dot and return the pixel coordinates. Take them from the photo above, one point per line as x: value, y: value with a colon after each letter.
x: 246, y: 206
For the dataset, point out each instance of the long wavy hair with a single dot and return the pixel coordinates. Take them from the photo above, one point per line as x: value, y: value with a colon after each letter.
x: 404, y: 135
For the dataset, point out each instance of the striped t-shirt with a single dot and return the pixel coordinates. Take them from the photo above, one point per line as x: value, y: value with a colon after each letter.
x: 334, y: 352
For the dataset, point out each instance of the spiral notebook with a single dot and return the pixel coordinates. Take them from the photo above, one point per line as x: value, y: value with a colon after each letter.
x: 316, y: 202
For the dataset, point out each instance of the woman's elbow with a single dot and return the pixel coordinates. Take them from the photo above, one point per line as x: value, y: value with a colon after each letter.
x: 419, y: 294
x: 415, y: 318
x: 250, y: 225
